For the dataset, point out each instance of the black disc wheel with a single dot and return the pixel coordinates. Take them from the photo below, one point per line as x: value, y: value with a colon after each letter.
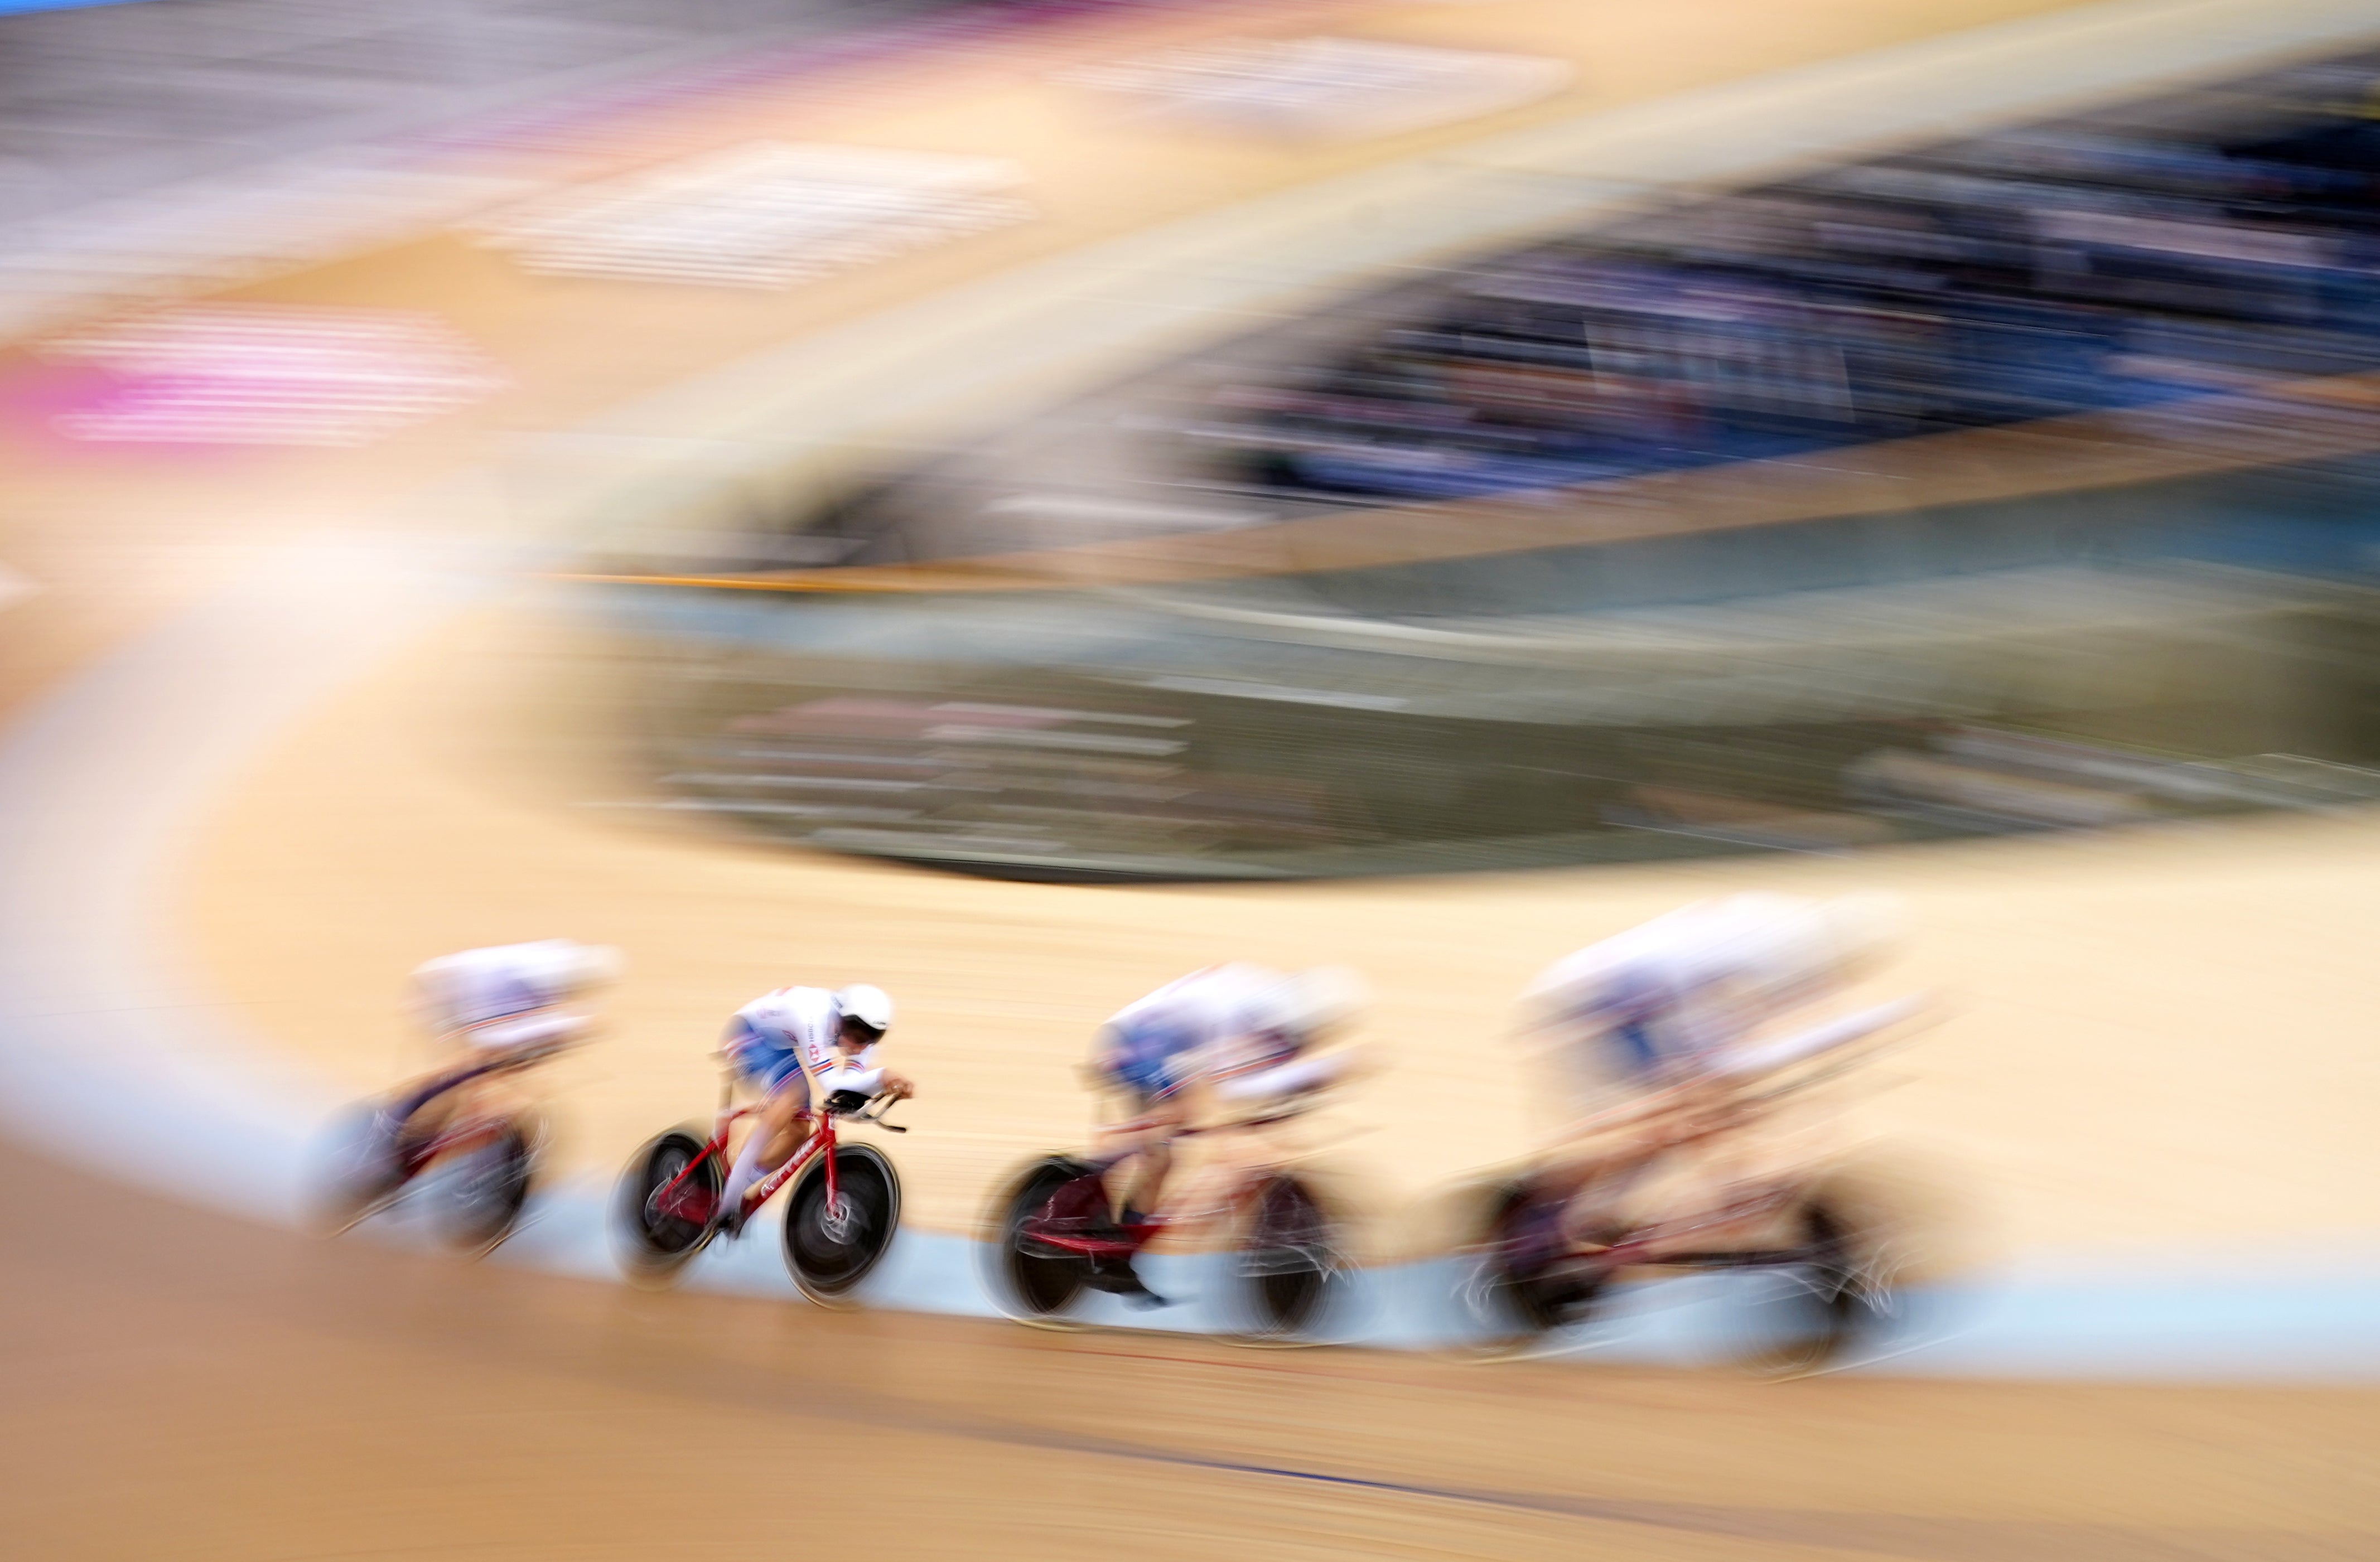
x: 483, y: 1188
x: 355, y: 1167
x: 830, y: 1244
x: 1529, y: 1281
x: 1035, y: 1281
x: 654, y: 1230
x: 1287, y: 1259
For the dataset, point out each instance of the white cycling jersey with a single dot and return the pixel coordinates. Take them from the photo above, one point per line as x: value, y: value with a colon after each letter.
x: 1223, y: 1025
x: 794, y: 1031
x: 508, y: 995
x: 1684, y: 993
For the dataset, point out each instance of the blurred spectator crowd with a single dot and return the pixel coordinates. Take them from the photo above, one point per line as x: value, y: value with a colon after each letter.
x: 2207, y: 244
x: 2165, y: 620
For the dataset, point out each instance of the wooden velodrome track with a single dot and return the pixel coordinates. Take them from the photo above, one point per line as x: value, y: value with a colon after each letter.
x: 184, y: 1385
x: 187, y: 1386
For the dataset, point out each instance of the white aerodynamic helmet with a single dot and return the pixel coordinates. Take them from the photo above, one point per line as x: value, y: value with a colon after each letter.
x: 1825, y: 943
x: 1312, y: 1002
x: 1865, y: 929
x: 565, y: 966
x: 867, y: 1004
x: 593, y: 965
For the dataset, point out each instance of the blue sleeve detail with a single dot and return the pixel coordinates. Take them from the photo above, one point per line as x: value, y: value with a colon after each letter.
x: 1633, y: 1040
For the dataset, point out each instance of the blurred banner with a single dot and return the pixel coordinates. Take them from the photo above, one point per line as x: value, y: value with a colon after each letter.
x: 2022, y: 482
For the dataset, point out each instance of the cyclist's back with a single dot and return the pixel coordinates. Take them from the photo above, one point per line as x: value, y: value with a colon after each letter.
x: 1681, y: 996
x: 793, y: 1033
x: 1158, y: 1046
x: 509, y: 995
x: 494, y: 1010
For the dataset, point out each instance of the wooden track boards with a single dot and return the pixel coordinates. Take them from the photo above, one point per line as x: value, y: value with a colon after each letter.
x: 182, y: 1385
x: 2120, y: 1069
x: 186, y: 1385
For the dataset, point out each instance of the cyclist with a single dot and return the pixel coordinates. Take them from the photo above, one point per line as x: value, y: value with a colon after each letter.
x: 1677, y: 1011
x: 787, y: 1044
x: 494, y: 1010
x: 1236, y: 1034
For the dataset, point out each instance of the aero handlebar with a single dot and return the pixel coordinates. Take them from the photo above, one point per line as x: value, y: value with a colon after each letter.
x: 877, y: 1116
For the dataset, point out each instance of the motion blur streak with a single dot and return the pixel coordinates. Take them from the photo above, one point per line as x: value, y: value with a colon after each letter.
x: 1896, y: 499
x: 403, y: 1397
x: 1559, y: 684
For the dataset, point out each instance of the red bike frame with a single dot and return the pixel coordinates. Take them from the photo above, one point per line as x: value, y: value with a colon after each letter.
x: 1717, y: 1118
x: 475, y: 1124
x: 670, y: 1200
x: 469, y: 1132
x: 1245, y: 1183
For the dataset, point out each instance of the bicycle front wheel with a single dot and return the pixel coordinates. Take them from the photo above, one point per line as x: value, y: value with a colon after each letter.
x: 486, y: 1188
x: 1289, y: 1260
x: 1035, y: 1281
x: 831, y: 1246
x: 652, y: 1241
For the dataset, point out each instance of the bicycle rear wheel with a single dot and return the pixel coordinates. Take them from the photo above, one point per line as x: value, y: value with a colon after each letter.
x: 1528, y: 1284
x: 830, y: 1249
x: 354, y: 1167
x: 651, y: 1243
x: 1036, y: 1282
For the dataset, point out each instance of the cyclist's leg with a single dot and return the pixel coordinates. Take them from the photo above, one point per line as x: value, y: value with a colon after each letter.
x: 1131, y: 1167
x: 1602, y: 1195
x: 781, y: 1124
x: 1584, y: 1190
x: 1135, y: 1155
x: 1143, y: 1191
